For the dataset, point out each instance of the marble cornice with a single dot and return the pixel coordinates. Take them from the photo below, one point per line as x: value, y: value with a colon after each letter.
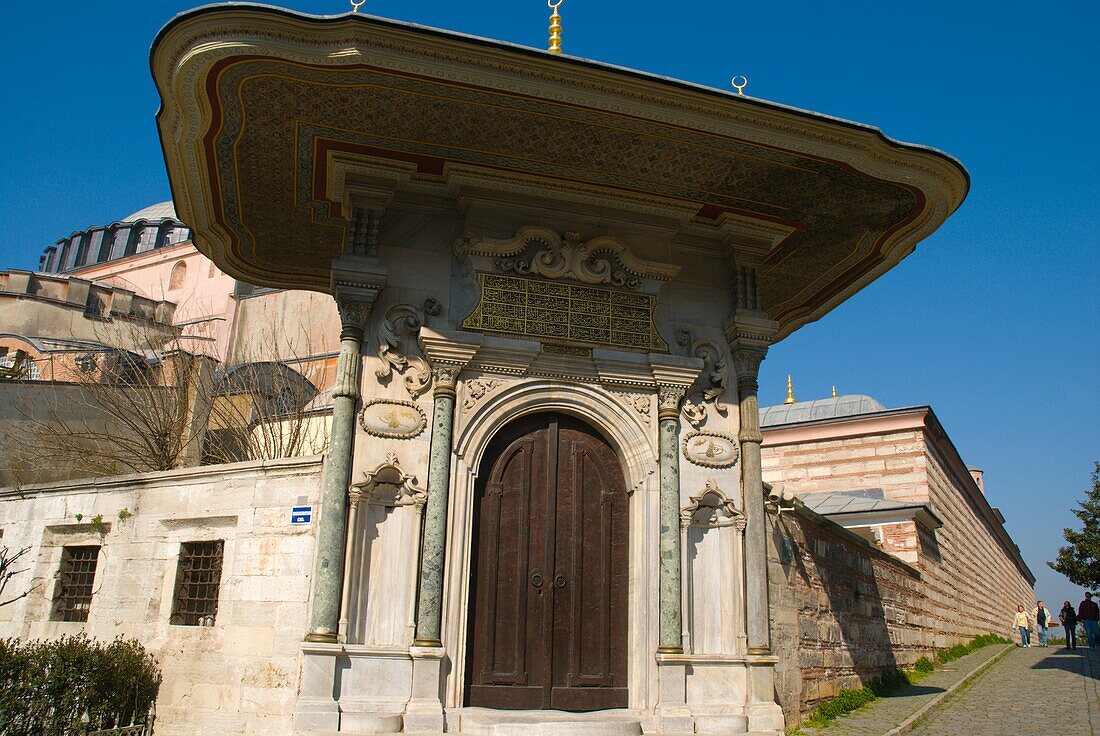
x: 917, y: 187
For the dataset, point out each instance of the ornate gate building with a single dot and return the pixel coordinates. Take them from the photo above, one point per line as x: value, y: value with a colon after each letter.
x: 542, y: 507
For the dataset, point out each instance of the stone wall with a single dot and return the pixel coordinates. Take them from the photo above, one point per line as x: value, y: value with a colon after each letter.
x: 973, y: 575
x: 973, y: 585
x: 843, y: 611
x: 238, y: 676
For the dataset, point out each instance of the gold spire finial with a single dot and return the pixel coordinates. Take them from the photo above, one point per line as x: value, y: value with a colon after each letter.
x: 790, y: 391
x: 555, y: 27
x: 834, y: 392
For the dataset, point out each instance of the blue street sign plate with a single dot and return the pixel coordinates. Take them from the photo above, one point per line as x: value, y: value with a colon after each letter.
x: 301, y: 514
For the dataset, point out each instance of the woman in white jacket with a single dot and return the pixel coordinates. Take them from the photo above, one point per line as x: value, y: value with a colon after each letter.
x: 1022, y: 624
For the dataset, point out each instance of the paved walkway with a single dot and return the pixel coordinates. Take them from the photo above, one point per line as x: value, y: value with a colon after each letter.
x: 1044, y: 691
x: 886, y: 713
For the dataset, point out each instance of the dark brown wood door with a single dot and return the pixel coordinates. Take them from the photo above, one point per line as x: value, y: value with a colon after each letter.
x: 548, y: 599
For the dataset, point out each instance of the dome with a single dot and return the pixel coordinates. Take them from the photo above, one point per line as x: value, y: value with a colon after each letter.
x: 158, y: 211
x: 809, y: 411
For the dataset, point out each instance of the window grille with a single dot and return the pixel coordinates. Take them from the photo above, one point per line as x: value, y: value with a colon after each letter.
x: 73, y: 597
x: 198, y: 579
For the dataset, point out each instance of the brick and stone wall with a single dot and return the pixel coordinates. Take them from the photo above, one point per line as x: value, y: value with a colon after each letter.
x: 239, y: 675
x: 973, y: 576
x: 973, y: 585
x: 843, y: 611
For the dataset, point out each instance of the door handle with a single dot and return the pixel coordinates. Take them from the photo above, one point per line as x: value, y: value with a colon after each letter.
x: 536, y: 579
x: 559, y: 580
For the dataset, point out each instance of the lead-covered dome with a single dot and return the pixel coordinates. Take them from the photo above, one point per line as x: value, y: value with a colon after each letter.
x: 809, y: 411
x: 159, y: 211
x: 152, y: 227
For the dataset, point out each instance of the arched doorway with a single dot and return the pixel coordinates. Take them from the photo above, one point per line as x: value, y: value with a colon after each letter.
x: 548, y: 599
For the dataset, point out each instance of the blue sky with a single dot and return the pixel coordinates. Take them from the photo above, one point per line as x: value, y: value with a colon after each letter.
x: 994, y: 320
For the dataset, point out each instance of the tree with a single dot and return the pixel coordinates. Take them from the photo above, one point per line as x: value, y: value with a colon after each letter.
x: 1080, y: 559
x: 8, y: 571
x: 138, y: 400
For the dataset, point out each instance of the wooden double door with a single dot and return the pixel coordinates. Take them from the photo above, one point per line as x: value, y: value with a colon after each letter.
x: 548, y: 618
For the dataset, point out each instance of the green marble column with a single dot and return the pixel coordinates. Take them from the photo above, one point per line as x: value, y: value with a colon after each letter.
x: 668, y: 415
x: 757, y: 611
x: 331, y: 527
x: 430, y: 598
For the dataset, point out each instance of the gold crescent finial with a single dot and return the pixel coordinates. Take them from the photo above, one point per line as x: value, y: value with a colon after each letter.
x: 356, y: 5
x: 790, y: 391
x: 739, y: 83
x: 555, y: 26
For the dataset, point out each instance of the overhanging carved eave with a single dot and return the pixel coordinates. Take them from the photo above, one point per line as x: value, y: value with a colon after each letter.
x: 266, y: 131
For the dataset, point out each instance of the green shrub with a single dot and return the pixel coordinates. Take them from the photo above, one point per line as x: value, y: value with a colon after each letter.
x: 847, y: 701
x: 47, y: 686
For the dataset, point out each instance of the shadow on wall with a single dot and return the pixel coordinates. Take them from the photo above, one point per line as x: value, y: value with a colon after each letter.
x: 843, y: 610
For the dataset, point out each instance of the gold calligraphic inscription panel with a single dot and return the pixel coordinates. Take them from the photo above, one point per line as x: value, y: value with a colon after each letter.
x: 556, y: 312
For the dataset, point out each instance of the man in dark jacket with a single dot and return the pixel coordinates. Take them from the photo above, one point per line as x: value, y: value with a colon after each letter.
x: 1069, y: 624
x: 1088, y: 613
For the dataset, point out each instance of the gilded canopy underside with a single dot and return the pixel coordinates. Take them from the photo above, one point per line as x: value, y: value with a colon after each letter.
x: 252, y: 133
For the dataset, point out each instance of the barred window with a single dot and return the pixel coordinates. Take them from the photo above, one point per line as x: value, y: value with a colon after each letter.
x: 198, y: 579
x: 73, y: 595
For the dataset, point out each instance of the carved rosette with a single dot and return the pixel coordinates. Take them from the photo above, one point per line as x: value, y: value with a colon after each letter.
x: 639, y: 403
x: 479, y: 388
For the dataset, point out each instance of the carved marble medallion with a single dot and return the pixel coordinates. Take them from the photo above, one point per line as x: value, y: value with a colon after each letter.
x: 398, y: 420
x: 710, y: 449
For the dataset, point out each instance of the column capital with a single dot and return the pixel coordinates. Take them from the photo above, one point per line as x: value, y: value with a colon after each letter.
x: 356, y: 283
x: 669, y: 399
x: 448, y: 353
x: 749, y: 333
x: 750, y: 329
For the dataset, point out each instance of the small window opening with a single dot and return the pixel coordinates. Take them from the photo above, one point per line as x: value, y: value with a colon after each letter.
x: 198, y: 581
x: 73, y: 596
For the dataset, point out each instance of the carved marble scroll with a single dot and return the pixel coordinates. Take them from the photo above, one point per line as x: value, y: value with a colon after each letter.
x: 711, y: 385
x: 400, y: 324
x: 540, y: 251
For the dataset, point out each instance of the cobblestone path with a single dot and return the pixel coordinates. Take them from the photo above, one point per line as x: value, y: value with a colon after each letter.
x: 886, y: 713
x: 1042, y: 691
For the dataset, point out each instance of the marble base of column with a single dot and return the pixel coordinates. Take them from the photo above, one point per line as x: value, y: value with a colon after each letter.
x: 316, y: 709
x: 424, y: 713
x: 765, y: 715
x: 672, y: 713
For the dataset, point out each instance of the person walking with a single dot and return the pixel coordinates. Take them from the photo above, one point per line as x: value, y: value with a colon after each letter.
x: 1021, y: 624
x: 1068, y: 617
x: 1041, y: 616
x: 1088, y: 613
